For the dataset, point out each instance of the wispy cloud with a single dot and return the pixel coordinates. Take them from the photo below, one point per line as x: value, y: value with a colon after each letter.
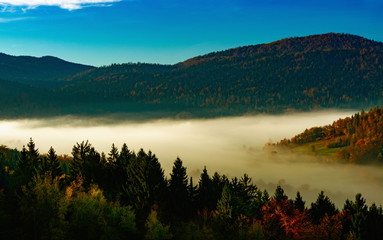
x: 64, y: 4
x: 5, y: 20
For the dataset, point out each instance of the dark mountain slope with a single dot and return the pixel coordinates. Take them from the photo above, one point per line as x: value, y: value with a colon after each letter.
x: 37, y: 71
x: 21, y: 100
x: 330, y: 70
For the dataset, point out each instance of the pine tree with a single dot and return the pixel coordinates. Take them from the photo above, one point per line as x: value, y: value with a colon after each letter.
x: 24, y: 167
x: 205, y: 189
x: 321, y: 207
x: 178, y: 190
x: 54, y: 164
x: 124, y: 157
x: 192, y: 196
x: 359, y: 212
x: 33, y: 156
x: 113, y: 154
x: 79, y: 152
x: 155, y: 178
x: 265, y: 197
x: 87, y: 163
x: 135, y: 187
x: 279, y: 194
x: 298, y: 202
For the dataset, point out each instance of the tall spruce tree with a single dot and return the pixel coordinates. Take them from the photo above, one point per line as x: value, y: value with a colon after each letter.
x: 279, y: 194
x: 54, y: 164
x: 298, y: 202
x: 80, y: 152
x: 113, y: 154
x: 359, y: 212
x: 178, y: 190
x: 87, y: 163
x: 321, y: 207
x: 33, y: 156
x: 155, y: 178
x: 205, y: 189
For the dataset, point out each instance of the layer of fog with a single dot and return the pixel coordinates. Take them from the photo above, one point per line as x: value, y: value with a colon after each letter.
x: 231, y: 146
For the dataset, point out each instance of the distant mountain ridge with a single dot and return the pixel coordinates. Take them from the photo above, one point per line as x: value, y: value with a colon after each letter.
x: 305, y: 73
x: 37, y: 70
x: 320, y: 42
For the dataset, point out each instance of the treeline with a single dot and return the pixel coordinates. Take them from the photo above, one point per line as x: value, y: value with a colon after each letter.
x: 359, y: 137
x: 319, y: 71
x: 125, y: 195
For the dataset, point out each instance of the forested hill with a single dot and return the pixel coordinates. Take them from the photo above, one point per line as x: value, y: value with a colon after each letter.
x: 357, y: 139
x: 323, y: 42
x: 37, y: 71
x: 330, y: 70
x: 305, y: 73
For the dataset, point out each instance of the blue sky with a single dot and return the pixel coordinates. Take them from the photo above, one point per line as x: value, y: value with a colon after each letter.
x: 101, y: 32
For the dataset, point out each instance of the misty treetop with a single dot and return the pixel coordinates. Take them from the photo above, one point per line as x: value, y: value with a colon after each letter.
x: 124, y: 194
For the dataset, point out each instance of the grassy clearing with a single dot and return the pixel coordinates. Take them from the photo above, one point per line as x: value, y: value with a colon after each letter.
x: 316, y: 148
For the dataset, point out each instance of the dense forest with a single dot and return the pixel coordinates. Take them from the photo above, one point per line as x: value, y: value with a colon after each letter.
x: 304, y: 73
x: 357, y: 139
x: 126, y: 195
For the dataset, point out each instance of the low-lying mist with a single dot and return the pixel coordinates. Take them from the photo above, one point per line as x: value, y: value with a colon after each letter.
x: 231, y: 146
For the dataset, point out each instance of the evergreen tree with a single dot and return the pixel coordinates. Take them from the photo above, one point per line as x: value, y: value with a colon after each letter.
x: 279, y: 194
x: 24, y: 166
x: 113, y: 154
x: 79, y: 152
x: 124, y: 157
x: 54, y: 164
x: 265, y: 197
x: 51, y: 164
x: 321, y: 207
x: 193, y: 195
x: 178, y: 190
x: 33, y: 154
x: 136, y: 188
x: 155, y: 177
x: 28, y: 164
x: 205, y: 189
x: 374, y: 223
x: 359, y: 213
x: 118, y: 170
x: 87, y: 163
x: 298, y: 202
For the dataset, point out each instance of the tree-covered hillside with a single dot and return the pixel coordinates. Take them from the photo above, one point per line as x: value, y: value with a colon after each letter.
x: 305, y: 73
x: 22, y: 100
x: 357, y: 139
x: 331, y: 70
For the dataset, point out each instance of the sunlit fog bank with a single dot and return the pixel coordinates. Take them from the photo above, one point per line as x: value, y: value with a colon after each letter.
x: 230, y: 146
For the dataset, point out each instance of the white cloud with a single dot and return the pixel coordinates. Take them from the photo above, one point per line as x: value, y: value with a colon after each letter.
x: 5, y: 20
x: 64, y: 4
